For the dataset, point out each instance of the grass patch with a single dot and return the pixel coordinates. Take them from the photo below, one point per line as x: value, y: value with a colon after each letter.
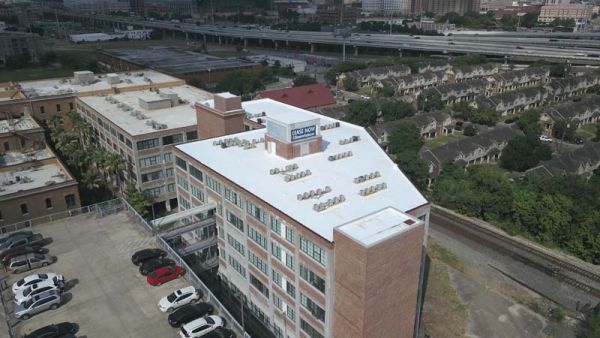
x: 34, y: 73
x: 436, y: 251
x: 588, y: 131
x: 442, y: 140
x: 444, y: 315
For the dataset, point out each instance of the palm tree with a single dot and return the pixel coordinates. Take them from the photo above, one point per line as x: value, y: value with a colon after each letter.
x: 114, y: 164
x: 90, y: 181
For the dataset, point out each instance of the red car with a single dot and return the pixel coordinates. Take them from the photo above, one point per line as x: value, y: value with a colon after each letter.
x: 164, y: 274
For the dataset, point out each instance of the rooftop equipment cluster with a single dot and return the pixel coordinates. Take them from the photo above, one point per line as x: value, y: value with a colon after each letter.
x: 372, y: 189
x: 366, y: 177
x: 340, y: 156
x: 298, y: 175
x: 318, y: 207
x: 314, y: 193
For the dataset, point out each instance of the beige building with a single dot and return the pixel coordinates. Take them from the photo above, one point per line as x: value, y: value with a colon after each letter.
x: 45, y: 98
x: 318, y: 229
x: 33, y: 182
x: 144, y: 126
x: 578, y: 12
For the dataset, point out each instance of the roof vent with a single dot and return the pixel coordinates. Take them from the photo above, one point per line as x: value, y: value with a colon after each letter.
x: 282, y: 170
x: 366, y: 177
x: 340, y: 156
x: 297, y: 176
x: 313, y: 193
x: 349, y: 140
x: 329, y: 126
x: 318, y: 207
x: 372, y: 189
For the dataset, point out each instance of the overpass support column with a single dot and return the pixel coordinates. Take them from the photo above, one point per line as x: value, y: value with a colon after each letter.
x: 287, y: 43
x: 204, y: 40
x: 276, y: 45
x: 245, y: 43
x: 260, y: 42
x: 220, y: 42
x: 312, y: 48
x: 174, y: 33
x: 355, y: 50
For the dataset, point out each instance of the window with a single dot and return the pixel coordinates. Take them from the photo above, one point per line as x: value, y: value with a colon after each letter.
x: 169, y: 172
x: 290, y: 289
x: 148, y: 161
x: 213, y: 184
x: 312, y: 307
x: 290, y: 313
x: 6, y: 146
x: 70, y: 105
x: 234, y: 220
x: 257, y: 237
x: 24, y: 209
x: 312, y: 278
x: 168, y: 157
x: 198, y: 193
x: 196, y: 173
x: 233, y: 197
x: 113, y: 131
x: 153, y: 191
x: 309, y: 330
x: 58, y: 107
x: 176, y: 138
x: 128, y: 143
x: 182, y: 182
x: 191, y: 135
x: 181, y: 163
x: 276, y: 250
x: 153, y: 176
x: 70, y: 200
x: 1, y: 215
x: 42, y: 110
x: 171, y: 187
x: 237, y: 266
x: 277, y: 302
x: 289, y: 260
x: 259, y: 285
x: 48, y: 203
x: 239, y: 247
x: 256, y: 212
x: 121, y: 138
x: 312, y: 250
x: 258, y: 262
x: 277, y: 278
x: 183, y: 203
x: 148, y: 144
x: 289, y: 234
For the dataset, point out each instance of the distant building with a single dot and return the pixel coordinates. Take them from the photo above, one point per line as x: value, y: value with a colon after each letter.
x: 577, y: 114
x: 311, y: 97
x: 187, y: 65
x: 494, y: 5
x: 387, y: 7
x: 441, y: 7
x: 511, y: 102
x: 580, y: 161
x: 33, y: 181
x: 341, y: 15
x: 19, y: 44
x: 581, y: 14
x: 137, y: 7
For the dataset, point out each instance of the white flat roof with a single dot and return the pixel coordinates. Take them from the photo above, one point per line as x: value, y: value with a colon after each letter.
x: 18, y: 124
x: 32, y: 178
x: 181, y: 115
x: 249, y: 168
x: 380, y: 225
x: 62, y: 86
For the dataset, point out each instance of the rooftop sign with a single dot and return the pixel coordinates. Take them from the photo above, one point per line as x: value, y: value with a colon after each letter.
x: 304, y: 132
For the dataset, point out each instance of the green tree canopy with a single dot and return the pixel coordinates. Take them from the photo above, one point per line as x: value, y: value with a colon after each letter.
x: 395, y: 110
x: 303, y: 80
x: 524, y: 152
x: 362, y: 113
x: 405, y: 137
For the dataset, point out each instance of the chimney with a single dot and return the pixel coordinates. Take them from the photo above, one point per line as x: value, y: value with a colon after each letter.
x: 227, y: 116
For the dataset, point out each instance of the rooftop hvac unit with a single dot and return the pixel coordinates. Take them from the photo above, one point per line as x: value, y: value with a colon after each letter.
x: 149, y: 122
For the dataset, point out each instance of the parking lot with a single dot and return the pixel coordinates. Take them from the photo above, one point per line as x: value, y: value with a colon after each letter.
x: 105, y: 294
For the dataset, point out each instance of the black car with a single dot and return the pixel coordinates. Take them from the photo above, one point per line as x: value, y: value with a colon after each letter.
x: 152, y: 264
x: 146, y: 254
x: 189, y: 312
x: 23, y: 250
x: 54, y: 330
x: 579, y: 140
x: 220, y: 332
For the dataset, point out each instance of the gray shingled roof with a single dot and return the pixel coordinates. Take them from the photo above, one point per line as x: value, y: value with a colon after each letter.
x: 569, y: 162
x: 570, y: 110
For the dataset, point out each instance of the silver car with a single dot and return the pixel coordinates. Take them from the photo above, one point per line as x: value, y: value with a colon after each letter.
x: 42, y: 302
x: 29, y: 262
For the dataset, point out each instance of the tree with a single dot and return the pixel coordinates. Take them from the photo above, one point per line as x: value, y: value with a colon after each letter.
x: 362, y: 113
x: 137, y: 200
x: 564, y: 131
x: 350, y: 84
x: 485, y: 116
x: 114, y: 164
x: 386, y: 91
x: 244, y: 83
x: 470, y: 130
x: 17, y: 61
x: 524, y: 152
x: 395, y: 110
x: 468, y: 60
x: 90, y: 181
x: 405, y: 137
x: 529, y: 123
x: 597, y: 137
x: 414, y: 167
x: 429, y: 101
x: 303, y: 80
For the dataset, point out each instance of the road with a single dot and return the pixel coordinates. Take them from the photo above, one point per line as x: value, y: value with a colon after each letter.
x: 586, y: 50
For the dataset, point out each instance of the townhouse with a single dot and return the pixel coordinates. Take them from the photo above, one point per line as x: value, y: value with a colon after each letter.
x: 577, y: 114
x: 451, y: 93
x: 515, y: 79
x: 512, y: 102
x: 580, y: 161
x: 414, y: 84
x: 370, y: 75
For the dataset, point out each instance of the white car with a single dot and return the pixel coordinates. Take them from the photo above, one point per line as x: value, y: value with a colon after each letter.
x: 179, y: 298
x: 33, y: 279
x: 545, y: 138
x: 200, y: 326
x: 29, y: 292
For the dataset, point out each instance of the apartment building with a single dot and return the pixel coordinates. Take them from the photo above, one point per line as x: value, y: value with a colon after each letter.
x: 318, y: 229
x: 33, y: 182
x: 48, y: 97
x: 578, y: 12
x: 144, y: 126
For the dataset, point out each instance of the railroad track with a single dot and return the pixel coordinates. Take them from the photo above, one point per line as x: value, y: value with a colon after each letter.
x: 560, y: 269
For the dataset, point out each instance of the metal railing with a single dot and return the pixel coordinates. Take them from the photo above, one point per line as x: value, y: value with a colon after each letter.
x: 117, y: 205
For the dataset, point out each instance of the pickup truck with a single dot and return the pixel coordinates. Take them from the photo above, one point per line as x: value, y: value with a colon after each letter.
x: 35, y: 239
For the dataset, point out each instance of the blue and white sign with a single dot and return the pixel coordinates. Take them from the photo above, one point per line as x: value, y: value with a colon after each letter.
x: 304, y: 132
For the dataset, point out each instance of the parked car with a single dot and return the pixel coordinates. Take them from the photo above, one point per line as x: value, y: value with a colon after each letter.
x: 164, y: 274
x: 179, y: 298
x: 200, y: 326
x: 146, y: 254
x: 545, y: 138
x: 42, y: 302
x: 7, y: 255
x: 19, y: 241
x: 33, y: 290
x: 220, y: 332
x: 60, y: 330
x: 15, y: 234
x: 579, y: 140
x: 152, y: 264
x: 33, y: 279
x: 9, y: 242
x: 29, y: 262
x: 189, y: 312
